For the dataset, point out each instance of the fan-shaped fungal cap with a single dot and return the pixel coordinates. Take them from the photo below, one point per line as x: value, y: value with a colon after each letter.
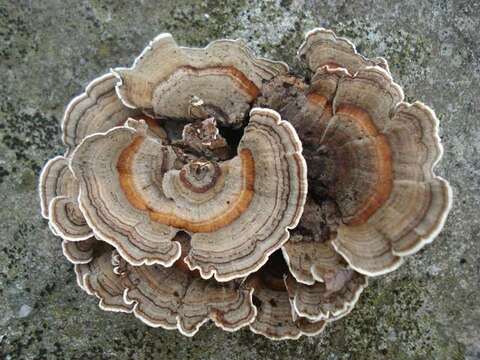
x: 96, y: 110
x: 308, y: 252
x: 328, y: 300
x: 98, y: 278
x: 272, y: 196
x: 323, y: 48
x: 237, y: 211
x: 418, y: 202
x: 175, y: 297
x: 221, y: 79
x: 79, y: 252
x: 58, y: 198
x: 322, y: 287
x: 125, y: 223
x: 276, y: 318
x: 378, y: 155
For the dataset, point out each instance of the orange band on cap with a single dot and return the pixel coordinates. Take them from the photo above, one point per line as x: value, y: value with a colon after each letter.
x: 238, y: 206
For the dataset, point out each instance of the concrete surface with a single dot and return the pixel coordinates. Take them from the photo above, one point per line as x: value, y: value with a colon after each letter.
x: 50, y: 49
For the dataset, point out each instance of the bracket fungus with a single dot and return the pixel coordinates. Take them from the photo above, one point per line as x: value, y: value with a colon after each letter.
x: 58, y: 194
x: 175, y: 297
x: 220, y: 80
x: 276, y: 318
x: 98, y: 277
x: 210, y: 184
x: 236, y: 211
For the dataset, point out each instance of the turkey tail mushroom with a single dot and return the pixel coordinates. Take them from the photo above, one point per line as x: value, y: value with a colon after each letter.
x: 274, y: 183
x: 329, y: 300
x: 419, y: 201
x: 378, y: 153
x: 98, y: 278
x: 237, y: 211
x: 58, y: 199
x: 276, y: 318
x: 98, y: 109
x: 322, y: 47
x: 176, y: 297
x: 220, y: 80
x: 79, y: 252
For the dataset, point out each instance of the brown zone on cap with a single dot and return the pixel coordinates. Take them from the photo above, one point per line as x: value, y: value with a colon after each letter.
x: 202, y: 189
x: 317, y: 99
x: 241, y: 203
x: 153, y: 125
x: 245, y: 83
x: 184, y: 240
x: 384, y: 181
x: 332, y: 65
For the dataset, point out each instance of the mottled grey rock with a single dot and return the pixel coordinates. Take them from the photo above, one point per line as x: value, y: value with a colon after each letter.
x: 24, y: 311
x: 50, y: 49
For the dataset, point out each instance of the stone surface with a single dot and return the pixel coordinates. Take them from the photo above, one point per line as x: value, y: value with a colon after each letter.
x: 49, y: 50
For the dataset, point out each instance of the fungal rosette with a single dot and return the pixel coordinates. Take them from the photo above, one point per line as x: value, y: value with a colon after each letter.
x: 237, y: 211
x: 175, y: 297
x: 208, y: 184
x: 368, y: 152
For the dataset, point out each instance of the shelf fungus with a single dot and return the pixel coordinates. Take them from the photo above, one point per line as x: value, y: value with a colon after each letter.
x: 98, y: 277
x: 276, y: 317
x: 237, y: 211
x: 211, y: 184
x: 175, y: 297
x: 58, y: 194
x: 220, y: 80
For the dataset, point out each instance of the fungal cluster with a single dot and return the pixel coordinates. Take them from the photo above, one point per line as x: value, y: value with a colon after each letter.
x: 210, y: 184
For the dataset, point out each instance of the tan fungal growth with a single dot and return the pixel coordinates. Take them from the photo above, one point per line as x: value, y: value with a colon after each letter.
x: 328, y: 300
x: 237, y: 211
x: 371, y: 155
x: 323, y: 48
x: 98, y: 278
x: 58, y: 194
x: 276, y: 318
x: 175, y: 297
x: 210, y: 184
x: 309, y: 253
x: 79, y: 252
x: 380, y: 152
x: 221, y: 80
x: 170, y: 298
x: 272, y: 193
x: 98, y: 109
x: 323, y: 286
x: 126, y: 222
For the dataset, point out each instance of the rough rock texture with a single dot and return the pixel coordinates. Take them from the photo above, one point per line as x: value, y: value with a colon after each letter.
x: 49, y: 51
